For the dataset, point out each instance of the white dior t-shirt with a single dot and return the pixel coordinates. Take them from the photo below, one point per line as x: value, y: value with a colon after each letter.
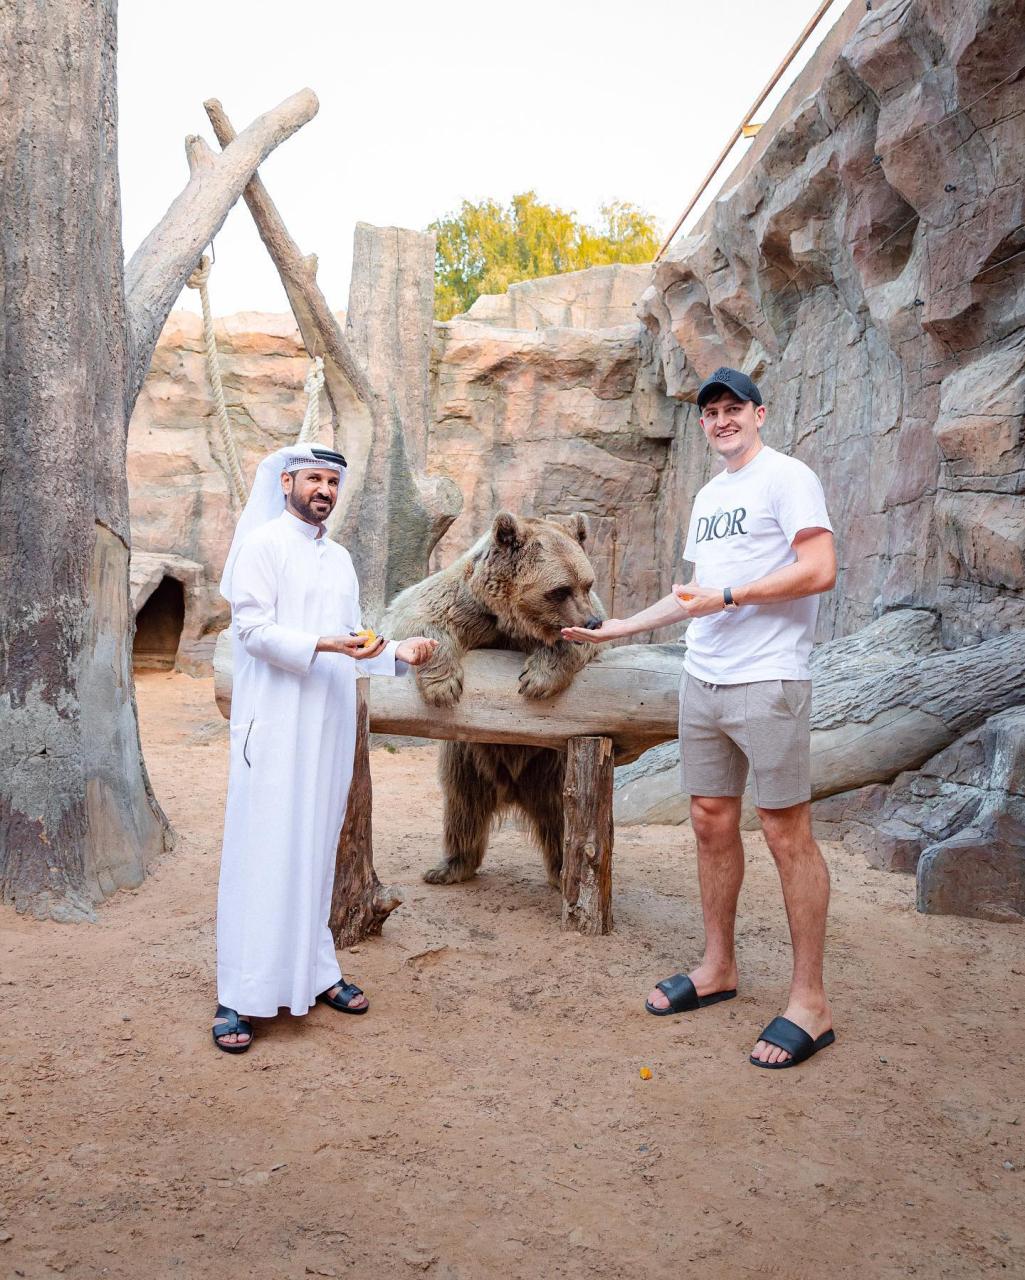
x: 742, y: 527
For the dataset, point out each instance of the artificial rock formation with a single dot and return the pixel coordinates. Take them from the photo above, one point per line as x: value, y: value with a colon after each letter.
x: 866, y: 263
x: 863, y: 270
x: 537, y: 416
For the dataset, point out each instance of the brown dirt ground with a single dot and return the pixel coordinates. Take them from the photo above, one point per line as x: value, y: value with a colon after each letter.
x: 487, y: 1119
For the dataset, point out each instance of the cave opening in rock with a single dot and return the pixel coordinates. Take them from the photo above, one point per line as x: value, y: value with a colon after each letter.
x: 158, y: 628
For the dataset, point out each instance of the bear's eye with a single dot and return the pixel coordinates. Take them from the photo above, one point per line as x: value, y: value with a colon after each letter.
x: 559, y: 594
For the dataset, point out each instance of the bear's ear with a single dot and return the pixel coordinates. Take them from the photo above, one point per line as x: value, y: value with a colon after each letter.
x: 507, y: 530
x: 579, y: 527
x: 575, y: 525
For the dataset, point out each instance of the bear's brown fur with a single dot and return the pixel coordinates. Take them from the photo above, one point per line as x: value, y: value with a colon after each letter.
x: 514, y: 589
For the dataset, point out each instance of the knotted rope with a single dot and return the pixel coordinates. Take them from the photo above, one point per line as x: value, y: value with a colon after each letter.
x: 314, y: 383
x: 198, y: 280
x: 313, y: 386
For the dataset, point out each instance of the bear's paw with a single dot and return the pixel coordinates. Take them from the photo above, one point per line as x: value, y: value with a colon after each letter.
x: 442, y: 689
x: 537, y: 682
x: 448, y: 873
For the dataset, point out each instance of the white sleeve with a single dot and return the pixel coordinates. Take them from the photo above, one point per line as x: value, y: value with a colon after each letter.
x: 254, y: 597
x: 386, y: 663
x: 799, y: 503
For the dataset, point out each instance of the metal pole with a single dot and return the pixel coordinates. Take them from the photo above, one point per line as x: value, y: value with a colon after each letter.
x: 812, y: 23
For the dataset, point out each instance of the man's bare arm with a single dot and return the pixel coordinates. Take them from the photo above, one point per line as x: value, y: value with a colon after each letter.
x: 813, y: 572
x: 664, y: 613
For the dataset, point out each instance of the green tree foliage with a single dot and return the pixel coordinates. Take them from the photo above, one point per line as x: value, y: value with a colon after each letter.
x: 486, y: 247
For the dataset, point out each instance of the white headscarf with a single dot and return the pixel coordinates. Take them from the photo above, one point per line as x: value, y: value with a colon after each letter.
x: 267, y: 499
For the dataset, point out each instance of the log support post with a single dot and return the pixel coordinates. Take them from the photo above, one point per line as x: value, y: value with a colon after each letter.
x: 360, y: 904
x: 587, y: 856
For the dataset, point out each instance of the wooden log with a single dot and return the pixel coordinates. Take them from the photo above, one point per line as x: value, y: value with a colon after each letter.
x: 884, y: 700
x: 587, y: 856
x: 78, y: 817
x: 629, y: 695
x: 360, y: 904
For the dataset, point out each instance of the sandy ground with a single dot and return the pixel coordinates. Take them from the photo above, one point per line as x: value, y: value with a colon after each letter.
x: 487, y: 1118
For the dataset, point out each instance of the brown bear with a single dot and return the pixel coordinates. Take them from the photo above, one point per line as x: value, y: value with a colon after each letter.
x: 514, y: 589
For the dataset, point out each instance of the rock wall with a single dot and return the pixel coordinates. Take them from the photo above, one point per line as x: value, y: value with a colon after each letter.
x: 869, y: 272
x: 864, y: 272
x: 539, y: 416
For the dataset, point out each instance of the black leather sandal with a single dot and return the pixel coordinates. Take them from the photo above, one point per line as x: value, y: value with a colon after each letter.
x: 340, y: 1001
x: 683, y: 997
x: 787, y: 1035
x: 235, y: 1026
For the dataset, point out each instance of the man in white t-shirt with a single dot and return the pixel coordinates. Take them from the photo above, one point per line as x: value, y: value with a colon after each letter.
x: 762, y: 547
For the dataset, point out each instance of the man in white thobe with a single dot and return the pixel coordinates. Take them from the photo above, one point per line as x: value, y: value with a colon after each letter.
x: 295, y: 614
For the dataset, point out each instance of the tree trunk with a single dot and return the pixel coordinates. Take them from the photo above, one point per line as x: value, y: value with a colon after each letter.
x: 360, y: 904
x: 78, y: 815
x: 78, y: 818
x: 587, y: 855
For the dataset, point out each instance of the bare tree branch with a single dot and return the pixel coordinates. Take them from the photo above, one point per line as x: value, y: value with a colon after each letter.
x: 162, y: 263
x: 391, y: 514
x: 346, y: 383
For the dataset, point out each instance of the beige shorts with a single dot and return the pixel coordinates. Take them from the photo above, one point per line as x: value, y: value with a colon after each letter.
x: 727, y: 729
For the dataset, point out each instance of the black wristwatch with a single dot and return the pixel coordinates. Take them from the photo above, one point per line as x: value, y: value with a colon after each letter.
x: 728, y: 602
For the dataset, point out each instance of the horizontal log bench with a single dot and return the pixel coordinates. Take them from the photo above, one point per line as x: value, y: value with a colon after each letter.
x: 616, y: 708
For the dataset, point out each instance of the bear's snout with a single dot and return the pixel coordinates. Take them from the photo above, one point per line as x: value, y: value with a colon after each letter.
x: 593, y: 623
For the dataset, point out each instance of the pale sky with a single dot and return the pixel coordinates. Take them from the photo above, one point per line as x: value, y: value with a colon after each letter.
x: 422, y: 106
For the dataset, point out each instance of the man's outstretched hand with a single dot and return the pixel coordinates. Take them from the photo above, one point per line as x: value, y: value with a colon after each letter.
x: 416, y: 650
x: 610, y: 629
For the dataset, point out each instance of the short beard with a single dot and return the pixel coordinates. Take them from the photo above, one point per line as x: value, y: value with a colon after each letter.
x: 305, y: 511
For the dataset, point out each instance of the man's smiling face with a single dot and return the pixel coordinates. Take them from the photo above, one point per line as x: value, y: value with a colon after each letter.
x: 732, y: 426
x: 311, y: 494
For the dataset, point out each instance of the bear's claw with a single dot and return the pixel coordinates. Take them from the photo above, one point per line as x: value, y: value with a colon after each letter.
x: 447, y: 873
x: 536, y: 684
x: 442, y: 691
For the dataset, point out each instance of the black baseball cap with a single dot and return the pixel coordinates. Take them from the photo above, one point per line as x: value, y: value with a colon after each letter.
x: 728, y: 380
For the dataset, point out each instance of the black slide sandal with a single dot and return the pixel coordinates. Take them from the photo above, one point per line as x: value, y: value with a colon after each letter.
x: 794, y: 1040
x: 340, y: 1002
x: 235, y: 1026
x: 683, y: 997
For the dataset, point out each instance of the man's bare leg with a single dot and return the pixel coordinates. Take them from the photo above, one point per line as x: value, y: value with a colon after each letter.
x: 716, y: 823
x: 805, y: 879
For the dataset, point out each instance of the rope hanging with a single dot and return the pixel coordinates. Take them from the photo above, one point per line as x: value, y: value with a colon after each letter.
x: 310, y: 429
x: 198, y: 280
x: 314, y: 382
